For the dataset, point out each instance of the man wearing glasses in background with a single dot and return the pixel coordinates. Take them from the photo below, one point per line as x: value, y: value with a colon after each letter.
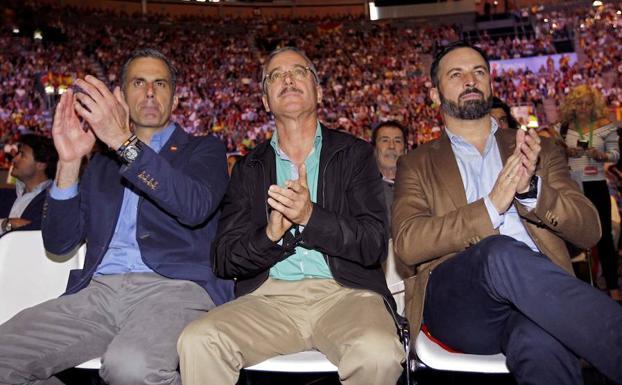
x: 303, y: 233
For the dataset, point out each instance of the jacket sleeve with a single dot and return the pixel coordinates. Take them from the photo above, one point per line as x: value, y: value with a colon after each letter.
x: 561, y: 206
x: 420, y: 235
x: 190, y: 194
x: 360, y: 235
x: 63, y: 223
x: 242, y: 248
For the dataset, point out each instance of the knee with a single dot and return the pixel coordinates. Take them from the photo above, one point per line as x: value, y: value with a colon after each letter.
x: 202, y: 337
x: 126, y: 365
x: 375, y: 352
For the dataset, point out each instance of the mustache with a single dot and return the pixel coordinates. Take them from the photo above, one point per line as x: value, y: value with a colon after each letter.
x: 471, y: 91
x: 290, y: 89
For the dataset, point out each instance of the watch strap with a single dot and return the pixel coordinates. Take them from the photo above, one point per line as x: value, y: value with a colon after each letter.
x: 533, y: 189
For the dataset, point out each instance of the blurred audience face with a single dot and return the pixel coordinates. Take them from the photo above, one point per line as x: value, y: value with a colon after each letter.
x: 25, y: 167
x: 464, y: 90
x: 149, y: 93
x: 291, y: 89
x: 390, y: 145
x: 501, y: 117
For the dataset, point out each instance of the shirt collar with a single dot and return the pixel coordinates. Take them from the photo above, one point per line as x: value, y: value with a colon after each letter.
x: 161, y: 137
x: 274, y: 142
x: 457, y: 140
x: 20, y: 187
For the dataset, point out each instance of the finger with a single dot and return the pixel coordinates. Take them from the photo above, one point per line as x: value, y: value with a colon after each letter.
x: 86, y: 101
x: 294, y: 186
x: 302, y: 175
x: 99, y: 85
x: 59, y: 114
x: 520, y: 139
x: 119, y: 96
x: 88, y: 89
x: 278, y: 206
x: 284, y: 200
x: 83, y: 112
x: 283, y: 191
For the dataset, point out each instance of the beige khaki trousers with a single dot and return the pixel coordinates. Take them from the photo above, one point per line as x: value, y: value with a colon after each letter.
x: 351, y: 327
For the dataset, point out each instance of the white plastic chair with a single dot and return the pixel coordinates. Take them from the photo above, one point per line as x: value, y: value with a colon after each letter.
x: 29, y: 275
x: 434, y: 356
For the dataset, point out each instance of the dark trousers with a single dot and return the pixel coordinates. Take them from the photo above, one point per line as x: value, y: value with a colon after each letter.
x: 500, y: 296
x: 598, y: 193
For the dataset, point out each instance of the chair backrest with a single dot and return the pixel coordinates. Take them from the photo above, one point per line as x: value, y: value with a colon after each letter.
x: 29, y: 275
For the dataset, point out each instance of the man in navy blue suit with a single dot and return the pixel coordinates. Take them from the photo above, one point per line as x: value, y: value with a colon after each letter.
x: 147, y: 210
x: 34, y: 167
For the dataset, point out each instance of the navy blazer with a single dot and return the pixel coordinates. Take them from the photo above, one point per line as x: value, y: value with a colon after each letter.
x: 180, y: 191
x: 32, y: 212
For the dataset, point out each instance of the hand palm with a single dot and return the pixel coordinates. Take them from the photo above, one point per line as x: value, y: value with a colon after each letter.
x: 71, y: 141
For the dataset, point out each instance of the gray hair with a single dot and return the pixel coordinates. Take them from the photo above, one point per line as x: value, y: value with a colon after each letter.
x: 152, y: 53
x: 264, y: 68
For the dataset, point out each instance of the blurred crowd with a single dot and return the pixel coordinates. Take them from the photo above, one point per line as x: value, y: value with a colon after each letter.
x: 370, y: 71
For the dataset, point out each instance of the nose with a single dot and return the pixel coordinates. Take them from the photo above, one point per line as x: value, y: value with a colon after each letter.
x: 391, y: 144
x: 469, y: 80
x: 150, y: 90
x: 289, y: 77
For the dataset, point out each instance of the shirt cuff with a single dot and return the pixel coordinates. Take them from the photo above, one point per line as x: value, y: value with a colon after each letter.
x: 496, y: 219
x: 62, y: 194
x: 530, y: 203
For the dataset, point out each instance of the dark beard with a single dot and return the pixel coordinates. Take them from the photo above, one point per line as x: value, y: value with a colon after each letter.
x: 470, y: 109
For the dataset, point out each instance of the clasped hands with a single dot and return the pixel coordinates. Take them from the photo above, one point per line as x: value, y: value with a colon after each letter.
x: 517, y: 171
x: 290, y: 205
x: 106, y: 113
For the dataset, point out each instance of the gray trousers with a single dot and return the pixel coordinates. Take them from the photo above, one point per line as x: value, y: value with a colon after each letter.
x: 130, y: 320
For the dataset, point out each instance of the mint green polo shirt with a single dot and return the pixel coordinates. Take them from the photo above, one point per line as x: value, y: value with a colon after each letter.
x: 304, y: 263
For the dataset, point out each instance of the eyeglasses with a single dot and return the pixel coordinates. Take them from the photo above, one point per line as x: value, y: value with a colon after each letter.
x: 298, y: 73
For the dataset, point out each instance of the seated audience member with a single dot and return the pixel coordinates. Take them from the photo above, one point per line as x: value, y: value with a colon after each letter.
x: 592, y: 140
x: 34, y: 167
x: 303, y: 232
x: 484, y: 215
x: 503, y: 114
x: 147, y: 210
x: 390, y: 142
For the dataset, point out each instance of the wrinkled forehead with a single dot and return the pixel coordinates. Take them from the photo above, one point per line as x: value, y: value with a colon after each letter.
x: 286, y: 60
x: 461, y: 58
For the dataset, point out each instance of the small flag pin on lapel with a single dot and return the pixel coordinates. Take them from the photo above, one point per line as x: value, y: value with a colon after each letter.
x: 173, y: 148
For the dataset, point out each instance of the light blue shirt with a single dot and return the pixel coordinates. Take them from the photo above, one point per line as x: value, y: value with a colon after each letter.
x: 123, y: 255
x: 304, y: 263
x: 479, y: 173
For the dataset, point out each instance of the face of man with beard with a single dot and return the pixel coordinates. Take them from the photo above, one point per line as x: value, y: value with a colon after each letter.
x: 464, y: 90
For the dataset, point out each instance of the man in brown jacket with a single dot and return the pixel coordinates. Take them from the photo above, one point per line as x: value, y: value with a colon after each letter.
x: 484, y: 214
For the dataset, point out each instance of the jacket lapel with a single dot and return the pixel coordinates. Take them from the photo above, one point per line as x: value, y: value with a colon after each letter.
x: 506, y: 141
x: 445, y: 165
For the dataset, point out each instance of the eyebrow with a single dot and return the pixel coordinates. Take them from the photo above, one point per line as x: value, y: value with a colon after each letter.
x: 295, y: 65
x: 480, y: 66
x: 155, y: 80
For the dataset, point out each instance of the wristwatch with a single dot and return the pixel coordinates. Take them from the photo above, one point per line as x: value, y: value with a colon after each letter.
x: 6, y: 225
x: 533, y: 189
x: 129, y: 150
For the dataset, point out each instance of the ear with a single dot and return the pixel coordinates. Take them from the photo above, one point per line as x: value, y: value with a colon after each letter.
x: 266, y: 105
x: 435, y: 96
x: 175, y: 102
x: 320, y: 94
x: 40, y: 166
